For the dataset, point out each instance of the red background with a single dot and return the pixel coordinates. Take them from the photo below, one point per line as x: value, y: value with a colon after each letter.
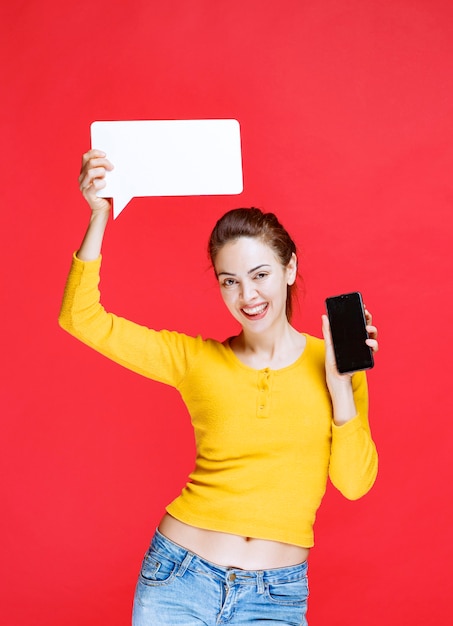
x: 346, y: 116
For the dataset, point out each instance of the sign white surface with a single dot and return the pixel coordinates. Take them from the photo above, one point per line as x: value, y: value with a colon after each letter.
x: 169, y: 158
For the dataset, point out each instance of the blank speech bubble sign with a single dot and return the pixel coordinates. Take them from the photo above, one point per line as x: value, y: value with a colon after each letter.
x: 169, y: 158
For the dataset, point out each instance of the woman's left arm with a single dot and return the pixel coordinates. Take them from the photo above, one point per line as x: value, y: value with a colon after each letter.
x: 353, y: 462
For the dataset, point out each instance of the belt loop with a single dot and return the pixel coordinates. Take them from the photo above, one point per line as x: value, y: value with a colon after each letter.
x: 185, y: 564
x: 260, y: 582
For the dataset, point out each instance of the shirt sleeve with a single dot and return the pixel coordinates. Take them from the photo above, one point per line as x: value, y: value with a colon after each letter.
x: 163, y: 355
x: 354, y: 461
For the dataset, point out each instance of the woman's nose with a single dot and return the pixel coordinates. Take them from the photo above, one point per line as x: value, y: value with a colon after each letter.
x: 248, y: 291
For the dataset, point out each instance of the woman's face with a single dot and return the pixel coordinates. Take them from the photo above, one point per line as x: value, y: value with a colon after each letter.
x: 253, y: 282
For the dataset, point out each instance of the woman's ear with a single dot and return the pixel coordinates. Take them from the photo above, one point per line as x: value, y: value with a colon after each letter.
x: 291, y: 269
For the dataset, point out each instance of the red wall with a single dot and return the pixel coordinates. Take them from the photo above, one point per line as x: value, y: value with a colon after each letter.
x: 346, y: 116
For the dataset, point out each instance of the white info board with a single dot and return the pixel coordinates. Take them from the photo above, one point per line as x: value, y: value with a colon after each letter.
x: 169, y: 158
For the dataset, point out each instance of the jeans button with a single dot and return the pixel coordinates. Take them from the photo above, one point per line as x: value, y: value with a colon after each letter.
x: 232, y: 577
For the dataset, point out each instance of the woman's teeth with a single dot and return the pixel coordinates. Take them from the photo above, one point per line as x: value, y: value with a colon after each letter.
x: 256, y: 310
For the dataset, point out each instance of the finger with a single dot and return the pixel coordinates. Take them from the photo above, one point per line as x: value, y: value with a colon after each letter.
x: 373, y: 344
x: 98, y: 183
x: 95, y: 164
x: 92, y: 154
x: 327, y: 335
x: 372, y: 331
x: 87, y: 178
x: 101, y: 162
x: 85, y: 182
x: 93, y: 168
x: 368, y: 317
x: 326, y: 330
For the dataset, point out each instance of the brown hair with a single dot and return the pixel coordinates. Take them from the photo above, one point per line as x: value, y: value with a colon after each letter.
x: 254, y: 223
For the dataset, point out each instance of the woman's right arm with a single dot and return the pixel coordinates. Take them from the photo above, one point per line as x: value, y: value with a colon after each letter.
x: 160, y: 355
x: 91, y: 180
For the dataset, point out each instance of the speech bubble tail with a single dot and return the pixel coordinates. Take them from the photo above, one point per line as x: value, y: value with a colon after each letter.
x: 119, y: 203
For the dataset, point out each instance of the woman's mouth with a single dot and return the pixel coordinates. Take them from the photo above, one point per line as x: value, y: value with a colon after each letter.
x: 255, y: 312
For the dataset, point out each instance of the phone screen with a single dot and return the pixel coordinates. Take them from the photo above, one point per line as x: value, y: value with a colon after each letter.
x: 348, y: 327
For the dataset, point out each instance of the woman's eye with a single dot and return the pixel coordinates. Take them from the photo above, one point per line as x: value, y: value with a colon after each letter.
x: 228, y: 282
x: 261, y: 275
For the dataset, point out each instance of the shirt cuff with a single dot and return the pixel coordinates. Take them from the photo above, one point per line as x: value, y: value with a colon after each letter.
x: 86, y: 266
x: 348, y: 428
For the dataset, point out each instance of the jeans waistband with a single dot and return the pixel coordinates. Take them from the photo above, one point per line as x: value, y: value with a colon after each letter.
x: 194, y: 562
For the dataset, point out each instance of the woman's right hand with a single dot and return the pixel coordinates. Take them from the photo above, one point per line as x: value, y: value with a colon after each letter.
x: 92, y: 179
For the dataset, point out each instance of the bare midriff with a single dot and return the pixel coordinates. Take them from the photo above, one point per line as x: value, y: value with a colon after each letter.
x: 232, y: 550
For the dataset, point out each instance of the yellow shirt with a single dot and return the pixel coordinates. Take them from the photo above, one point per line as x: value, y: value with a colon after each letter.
x: 265, y: 439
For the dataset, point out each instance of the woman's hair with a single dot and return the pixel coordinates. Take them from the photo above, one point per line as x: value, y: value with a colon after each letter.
x: 254, y: 223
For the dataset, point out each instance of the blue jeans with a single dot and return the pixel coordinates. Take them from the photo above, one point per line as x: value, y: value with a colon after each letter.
x: 178, y: 588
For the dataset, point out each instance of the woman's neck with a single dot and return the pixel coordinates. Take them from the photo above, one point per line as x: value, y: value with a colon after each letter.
x: 274, y: 350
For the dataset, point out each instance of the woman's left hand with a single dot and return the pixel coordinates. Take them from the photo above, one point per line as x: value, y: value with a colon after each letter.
x: 331, y: 367
x: 340, y: 385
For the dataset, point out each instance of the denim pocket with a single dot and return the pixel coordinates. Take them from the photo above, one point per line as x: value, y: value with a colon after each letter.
x: 294, y: 593
x: 157, y: 569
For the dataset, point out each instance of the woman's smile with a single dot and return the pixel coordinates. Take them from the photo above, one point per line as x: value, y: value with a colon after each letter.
x: 256, y: 312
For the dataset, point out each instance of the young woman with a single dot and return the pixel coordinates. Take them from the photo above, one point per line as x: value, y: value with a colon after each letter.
x: 272, y: 419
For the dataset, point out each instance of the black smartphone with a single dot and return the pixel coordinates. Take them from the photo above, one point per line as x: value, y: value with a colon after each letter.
x: 348, y: 327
